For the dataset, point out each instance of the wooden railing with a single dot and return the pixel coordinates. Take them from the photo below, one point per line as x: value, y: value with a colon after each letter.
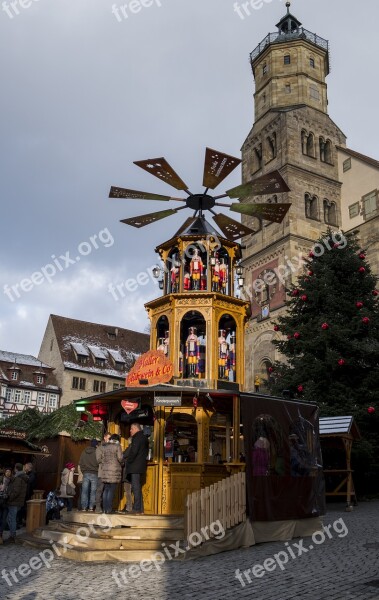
x: 224, y: 501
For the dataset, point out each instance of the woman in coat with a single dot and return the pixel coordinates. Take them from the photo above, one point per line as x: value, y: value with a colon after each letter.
x: 4, y: 482
x: 111, y: 460
x: 67, y: 489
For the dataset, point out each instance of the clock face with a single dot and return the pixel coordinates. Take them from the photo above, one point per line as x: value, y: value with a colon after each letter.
x: 267, y: 286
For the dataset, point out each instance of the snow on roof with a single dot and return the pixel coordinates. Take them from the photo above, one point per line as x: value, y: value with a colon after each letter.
x: 80, y: 349
x: 97, y: 352
x: 21, y: 359
x: 98, y: 371
x: 117, y: 356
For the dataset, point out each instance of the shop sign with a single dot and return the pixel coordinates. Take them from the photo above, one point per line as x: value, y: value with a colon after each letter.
x: 167, y: 401
x: 11, y: 433
x: 129, y: 406
x: 152, y: 368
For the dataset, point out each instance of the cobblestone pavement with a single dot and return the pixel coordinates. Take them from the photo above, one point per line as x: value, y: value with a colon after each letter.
x: 340, y: 568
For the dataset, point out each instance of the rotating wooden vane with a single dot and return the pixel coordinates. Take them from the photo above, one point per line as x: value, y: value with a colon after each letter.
x: 217, y: 167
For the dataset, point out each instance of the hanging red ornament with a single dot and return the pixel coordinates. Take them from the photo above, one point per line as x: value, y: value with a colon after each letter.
x: 310, y: 273
x: 371, y: 410
x: 375, y: 292
x: 311, y: 255
x: 296, y: 335
x: 289, y: 337
x: 325, y: 326
x: 295, y: 292
x: 362, y: 270
x: 270, y: 369
x: 304, y: 297
x: 362, y: 256
x: 365, y: 320
x: 359, y: 304
x: 300, y: 389
x: 276, y: 328
x: 341, y: 362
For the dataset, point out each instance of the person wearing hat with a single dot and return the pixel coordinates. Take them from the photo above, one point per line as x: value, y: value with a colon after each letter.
x: 16, y: 497
x: 89, y: 467
x: 67, y: 489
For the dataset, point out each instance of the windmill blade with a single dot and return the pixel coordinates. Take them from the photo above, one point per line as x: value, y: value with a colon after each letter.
x: 270, y: 212
x: 144, y: 220
x: 217, y: 167
x: 271, y: 183
x: 116, y: 192
x: 232, y: 230
x: 160, y: 168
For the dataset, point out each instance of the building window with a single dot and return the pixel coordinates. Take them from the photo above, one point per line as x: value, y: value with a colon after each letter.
x: 369, y: 203
x: 41, y: 398
x: 53, y: 401
x: 14, y: 375
x: 311, y: 207
x: 325, y: 150
x: 8, y: 396
x: 82, y: 383
x: 288, y: 88
x: 17, y: 396
x: 354, y: 210
x: 117, y: 386
x: 264, y: 69
x: 258, y: 157
x: 96, y: 385
x: 75, y: 383
x: 99, y: 362
x: 82, y: 360
x: 312, y: 62
x: 271, y: 145
x: 330, y: 212
x: 347, y: 165
x: 103, y: 387
x: 287, y: 59
x: 40, y: 379
x: 99, y: 386
x: 314, y: 92
x: 27, y: 397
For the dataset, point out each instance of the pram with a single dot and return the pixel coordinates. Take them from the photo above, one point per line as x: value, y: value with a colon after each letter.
x: 54, y: 505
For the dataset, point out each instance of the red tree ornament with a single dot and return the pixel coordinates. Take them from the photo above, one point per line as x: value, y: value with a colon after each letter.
x: 304, y: 297
x: 311, y: 255
x: 362, y: 270
x: 325, y: 326
x: 295, y: 292
x: 371, y: 410
x: 276, y: 328
x: 270, y: 369
x: 341, y: 362
x: 375, y: 292
x: 289, y: 337
x: 365, y: 320
x: 296, y: 335
x: 362, y: 256
x: 310, y: 273
x: 359, y: 304
x: 300, y: 388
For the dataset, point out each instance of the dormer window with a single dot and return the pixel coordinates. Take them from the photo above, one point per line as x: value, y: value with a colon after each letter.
x: 14, y: 375
x: 81, y: 353
x: 99, y: 362
x: 39, y: 377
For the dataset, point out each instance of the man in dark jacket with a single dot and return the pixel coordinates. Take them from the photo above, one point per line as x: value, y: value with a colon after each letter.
x: 16, y: 497
x: 136, y: 464
x: 89, y: 467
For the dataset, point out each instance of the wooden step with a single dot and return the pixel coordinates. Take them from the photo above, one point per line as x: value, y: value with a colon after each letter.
x: 70, y: 530
x: 123, y: 519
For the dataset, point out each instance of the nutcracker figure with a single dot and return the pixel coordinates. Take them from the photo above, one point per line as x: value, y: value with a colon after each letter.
x: 175, y: 273
x: 223, y: 276
x: 216, y: 274
x: 161, y: 346
x: 196, y: 269
x: 192, y: 353
x: 166, y: 344
x: 203, y: 283
x: 232, y: 357
x: 223, y: 353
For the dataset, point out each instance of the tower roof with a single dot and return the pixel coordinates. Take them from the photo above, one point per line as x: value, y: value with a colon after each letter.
x: 288, y: 23
x: 197, y: 226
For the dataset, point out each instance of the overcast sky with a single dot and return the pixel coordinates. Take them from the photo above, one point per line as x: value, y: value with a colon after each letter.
x: 85, y: 91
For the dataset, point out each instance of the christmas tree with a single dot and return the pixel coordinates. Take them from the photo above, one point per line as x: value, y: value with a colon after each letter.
x: 330, y: 333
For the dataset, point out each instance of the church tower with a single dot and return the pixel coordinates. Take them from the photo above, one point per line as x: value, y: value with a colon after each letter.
x: 293, y: 133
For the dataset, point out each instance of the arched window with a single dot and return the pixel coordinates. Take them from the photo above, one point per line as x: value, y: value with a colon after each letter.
x: 192, y: 346
x: 258, y: 157
x: 304, y: 137
x: 271, y: 145
x: 227, y: 358
x: 330, y: 212
x: 311, y: 207
x: 311, y: 145
x: 328, y: 151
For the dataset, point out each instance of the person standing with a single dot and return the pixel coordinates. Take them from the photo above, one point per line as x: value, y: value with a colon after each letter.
x: 67, y: 490
x: 4, y: 483
x: 89, y: 467
x: 127, y: 480
x: 111, y: 461
x: 136, y: 464
x: 100, y: 484
x: 17, y: 489
x: 32, y: 478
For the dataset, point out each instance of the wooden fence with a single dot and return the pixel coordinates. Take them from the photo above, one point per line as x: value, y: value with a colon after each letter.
x: 224, y: 501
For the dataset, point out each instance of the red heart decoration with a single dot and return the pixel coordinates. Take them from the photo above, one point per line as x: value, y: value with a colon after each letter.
x: 129, y: 406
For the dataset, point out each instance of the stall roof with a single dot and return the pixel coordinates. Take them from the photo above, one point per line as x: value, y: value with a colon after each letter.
x: 339, y: 426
